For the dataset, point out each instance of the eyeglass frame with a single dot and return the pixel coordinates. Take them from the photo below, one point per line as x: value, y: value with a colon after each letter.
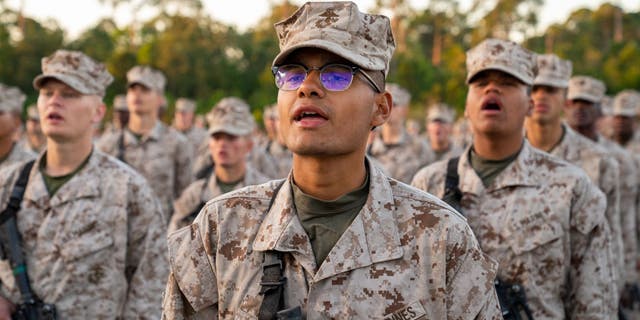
x: 353, y: 70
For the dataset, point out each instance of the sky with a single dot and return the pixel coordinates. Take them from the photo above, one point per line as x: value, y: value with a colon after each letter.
x: 75, y: 16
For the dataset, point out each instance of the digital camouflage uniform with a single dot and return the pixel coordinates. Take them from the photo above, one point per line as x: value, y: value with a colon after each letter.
x: 543, y: 220
x: 404, y: 253
x: 17, y: 154
x: 203, y: 190
x: 628, y: 205
x: 404, y: 249
x: 604, y: 172
x: 96, y: 249
x: 163, y: 158
x: 403, y: 159
x: 274, y: 159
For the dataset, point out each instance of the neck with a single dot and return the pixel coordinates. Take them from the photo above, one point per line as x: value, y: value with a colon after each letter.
x: 63, y: 158
x: 622, y: 138
x: 6, y: 144
x: 496, y: 147
x: 142, y: 123
x: 329, y: 178
x: 543, y: 136
x: 391, y: 134
x: 228, y: 174
x: 588, y: 131
x: 439, y: 145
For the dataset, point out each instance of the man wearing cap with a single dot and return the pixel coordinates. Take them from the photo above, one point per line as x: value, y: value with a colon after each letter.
x: 540, y: 217
x: 230, y: 129
x: 11, y: 100
x: 183, y: 122
x: 339, y: 240
x: 545, y: 131
x: 439, y: 125
x: 160, y: 153
x: 625, y: 106
x: 398, y: 152
x: 91, y: 229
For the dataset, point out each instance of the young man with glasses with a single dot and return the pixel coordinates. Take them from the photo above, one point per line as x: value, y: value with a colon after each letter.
x: 336, y: 239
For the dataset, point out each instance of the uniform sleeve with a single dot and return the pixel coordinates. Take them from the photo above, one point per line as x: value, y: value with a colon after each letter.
x: 191, y: 291
x: 188, y: 202
x: 470, y: 274
x: 592, y: 292
x: 146, y: 265
x: 184, y: 173
x: 611, y: 188
x: 107, y: 144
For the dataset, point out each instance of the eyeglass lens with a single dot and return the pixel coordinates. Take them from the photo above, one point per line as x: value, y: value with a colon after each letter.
x: 332, y: 77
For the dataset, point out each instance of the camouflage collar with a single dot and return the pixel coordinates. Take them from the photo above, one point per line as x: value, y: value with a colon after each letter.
x: 373, y: 233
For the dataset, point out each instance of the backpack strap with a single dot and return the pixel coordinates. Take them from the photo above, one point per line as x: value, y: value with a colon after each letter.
x: 121, y: 147
x: 17, y: 193
x: 272, y: 282
x: 452, y: 193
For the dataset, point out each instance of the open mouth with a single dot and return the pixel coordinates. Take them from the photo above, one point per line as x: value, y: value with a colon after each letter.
x: 54, y: 116
x: 307, y: 115
x: 491, y: 105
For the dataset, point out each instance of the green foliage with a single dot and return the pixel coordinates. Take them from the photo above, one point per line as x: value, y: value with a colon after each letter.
x: 206, y: 60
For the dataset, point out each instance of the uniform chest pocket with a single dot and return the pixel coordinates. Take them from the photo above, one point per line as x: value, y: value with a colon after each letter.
x: 532, y: 231
x: 86, y: 246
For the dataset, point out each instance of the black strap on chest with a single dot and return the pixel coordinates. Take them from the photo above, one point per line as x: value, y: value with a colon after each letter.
x: 121, y: 147
x: 272, y: 282
x: 17, y: 193
x: 452, y: 193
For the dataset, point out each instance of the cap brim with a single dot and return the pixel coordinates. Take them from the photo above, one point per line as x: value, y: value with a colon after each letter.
x: 525, y: 80
x: 582, y: 96
x: 140, y: 82
x: 328, y: 46
x: 551, y: 83
x: 70, y: 81
x: 228, y: 130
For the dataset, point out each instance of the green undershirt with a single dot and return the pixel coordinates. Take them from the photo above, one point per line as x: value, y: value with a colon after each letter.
x: 326, y: 221
x: 227, y: 187
x: 488, y: 170
x: 54, y: 184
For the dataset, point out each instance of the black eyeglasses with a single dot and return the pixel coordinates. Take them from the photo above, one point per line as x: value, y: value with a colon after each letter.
x: 334, y: 77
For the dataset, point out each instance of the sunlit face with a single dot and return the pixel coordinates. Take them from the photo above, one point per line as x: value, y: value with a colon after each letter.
x: 548, y: 103
x: 9, y: 123
x: 581, y: 113
x: 497, y: 104
x: 143, y: 100
x: 228, y: 150
x: 66, y: 114
x: 317, y: 122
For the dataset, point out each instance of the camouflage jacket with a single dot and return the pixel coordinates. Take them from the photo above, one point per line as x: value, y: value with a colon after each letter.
x: 163, y: 158
x: 96, y: 249
x: 402, y: 160
x: 203, y: 190
x: 405, y: 250
x: 629, y: 209
x: 604, y: 172
x: 543, y: 220
x: 199, y: 140
x: 272, y: 159
x: 17, y: 154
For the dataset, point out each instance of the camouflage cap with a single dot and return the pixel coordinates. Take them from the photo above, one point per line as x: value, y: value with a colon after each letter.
x: 586, y: 88
x: 338, y: 27
x: 626, y: 103
x: 185, y: 105
x: 440, y: 112
x: 232, y: 116
x: 606, y: 105
x: 148, y: 77
x: 76, y: 70
x: 399, y: 95
x: 11, y: 99
x: 120, y: 103
x: 553, y: 71
x: 501, y: 55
